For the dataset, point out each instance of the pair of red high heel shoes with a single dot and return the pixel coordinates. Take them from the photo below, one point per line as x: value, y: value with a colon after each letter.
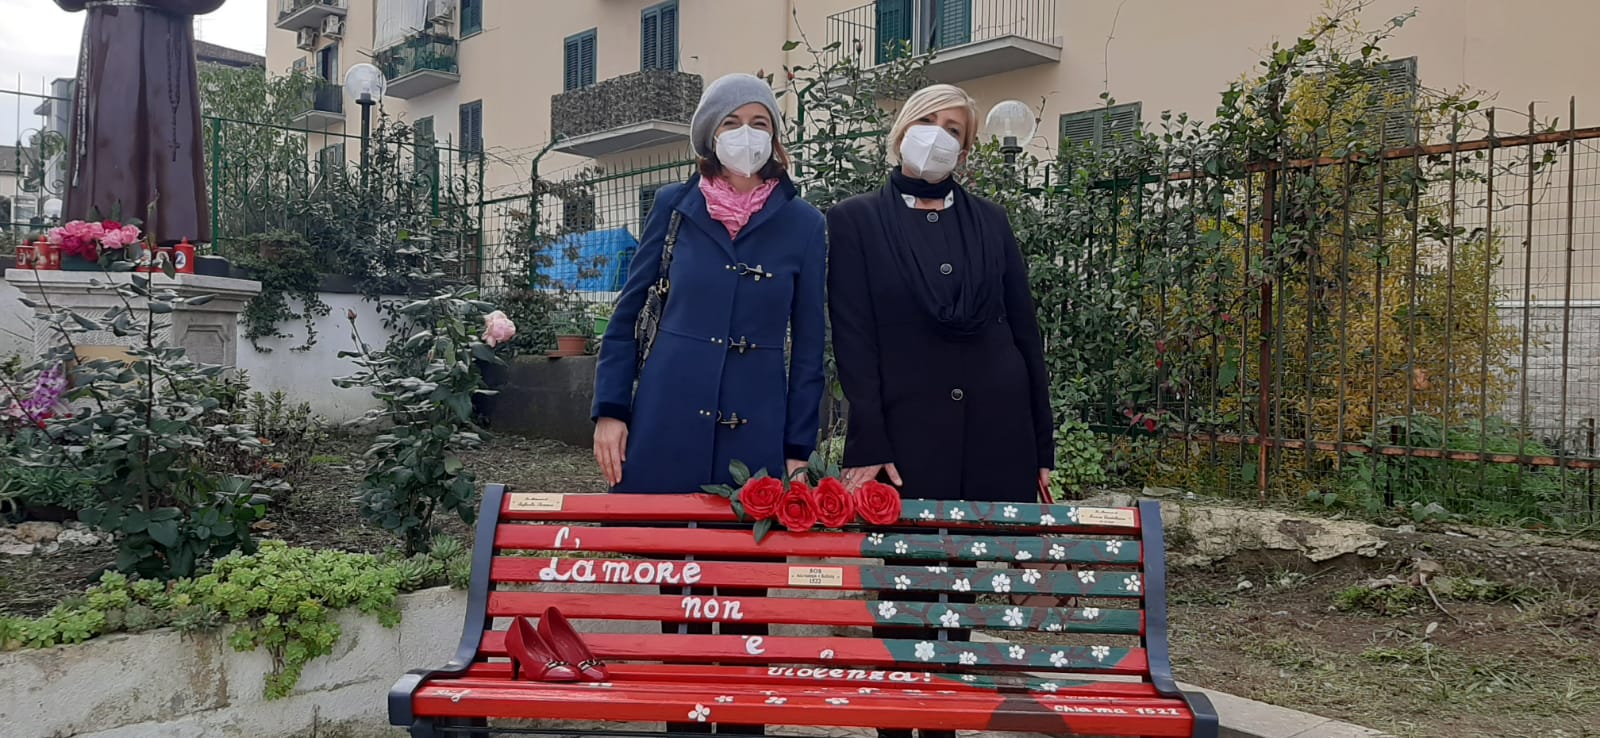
x: 551, y: 652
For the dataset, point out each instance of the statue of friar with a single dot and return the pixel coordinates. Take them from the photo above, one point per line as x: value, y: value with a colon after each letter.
x: 136, y: 136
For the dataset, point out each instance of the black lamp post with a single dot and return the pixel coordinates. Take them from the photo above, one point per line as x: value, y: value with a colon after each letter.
x: 1013, y: 122
x: 367, y: 84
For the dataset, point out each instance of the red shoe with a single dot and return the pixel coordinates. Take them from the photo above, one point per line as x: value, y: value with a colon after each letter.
x: 569, y: 646
x: 532, y: 657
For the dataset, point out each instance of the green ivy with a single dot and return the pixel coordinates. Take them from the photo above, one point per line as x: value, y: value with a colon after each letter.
x: 281, y: 598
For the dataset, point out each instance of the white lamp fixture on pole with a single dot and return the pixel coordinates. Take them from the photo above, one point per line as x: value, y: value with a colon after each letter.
x: 1013, y: 122
x: 367, y: 84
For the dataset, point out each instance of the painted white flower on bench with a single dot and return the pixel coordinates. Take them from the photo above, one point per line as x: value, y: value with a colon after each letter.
x: 925, y: 651
x: 1024, y: 555
x: 969, y: 677
x: 1009, y: 511
x: 1001, y: 583
x: 1047, y: 519
x: 887, y: 610
x: 957, y: 513
x: 902, y: 582
x: 1113, y: 547
x: 927, y: 514
x: 939, y: 568
x: 1057, y: 552
x: 875, y: 538
x: 950, y: 619
x: 1031, y: 576
x: 1087, y: 577
x: 900, y: 547
x: 980, y: 548
x: 1018, y: 653
x: 968, y: 658
x: 776, y: 700
x: 1014, y: 617
x: 838, y: 701
x: 1059, y: 659
x: 725, y: 699
x: 1049, y: 686
x: 962, y: 585
x: 1091, y: 613
x: 1053, y: 627
x: 1100, y: 652
x: 1072, y: 514
x: 700, y: 713
x: 1131, y: 583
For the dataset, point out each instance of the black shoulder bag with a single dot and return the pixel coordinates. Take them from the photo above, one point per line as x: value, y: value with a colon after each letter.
x: 655, y: 298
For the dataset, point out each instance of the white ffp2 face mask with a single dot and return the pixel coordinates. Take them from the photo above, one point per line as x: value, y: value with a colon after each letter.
x: 744, y: 150
x: 929, y: 153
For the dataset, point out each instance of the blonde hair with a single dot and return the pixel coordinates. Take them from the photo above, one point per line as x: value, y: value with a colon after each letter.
x: 928, y: 100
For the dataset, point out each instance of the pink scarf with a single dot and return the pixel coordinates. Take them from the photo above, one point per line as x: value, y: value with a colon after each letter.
x: 731, y: 207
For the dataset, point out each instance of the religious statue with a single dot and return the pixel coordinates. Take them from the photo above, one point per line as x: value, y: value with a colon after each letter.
x: 136, y: 136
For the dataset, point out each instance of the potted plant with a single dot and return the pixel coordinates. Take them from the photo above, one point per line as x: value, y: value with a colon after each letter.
x: 573, y: 329
x: 84, y: 243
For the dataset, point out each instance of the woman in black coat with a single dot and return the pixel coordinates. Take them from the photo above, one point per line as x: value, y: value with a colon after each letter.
x: 934, y: 331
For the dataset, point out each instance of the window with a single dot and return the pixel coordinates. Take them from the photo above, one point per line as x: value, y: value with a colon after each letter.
x: 472, y: 129
x: 300, y: 65
x: 331, y: 159
x: 658, y: 37
x: 1394, y: 104
x: 1100, y: 126
x: 577, y: 213
x: 647, y: 202
x: 926, y: 24
x: 579, y: 60
x: 328, y: 64
x: 471, y: 17
x: 427, y: 151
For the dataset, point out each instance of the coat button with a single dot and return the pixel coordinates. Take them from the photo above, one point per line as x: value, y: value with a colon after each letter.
x: 957, y: 395
x: 946, y: 268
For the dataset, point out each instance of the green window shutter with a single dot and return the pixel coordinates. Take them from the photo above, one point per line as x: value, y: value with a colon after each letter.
x: 570, y: 62
x: 1080, y: 128
x: 647, y: 202
x: 588, y: 59
x: 669, y: 36
x: 955, y: 23
x: 1101, y: 126
x: 427, y: 153
x: 1394, y: 89
x: 894, y: 29
x: 578, y: 60
x: 471, y: 17
x: 649, y: 39
x: 1119, y: 123
x: 472, y: 129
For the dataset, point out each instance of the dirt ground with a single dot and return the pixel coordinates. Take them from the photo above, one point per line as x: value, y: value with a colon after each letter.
x: 1511, y: 648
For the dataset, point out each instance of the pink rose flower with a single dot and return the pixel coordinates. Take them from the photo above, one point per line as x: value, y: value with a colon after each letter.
x: 130, y: 234
x: 497, y: 328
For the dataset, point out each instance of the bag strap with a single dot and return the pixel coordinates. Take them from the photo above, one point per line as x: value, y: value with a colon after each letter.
x: 666, y: 252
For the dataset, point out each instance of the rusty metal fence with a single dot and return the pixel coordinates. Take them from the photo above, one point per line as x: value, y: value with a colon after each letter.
x: 1416, y: 331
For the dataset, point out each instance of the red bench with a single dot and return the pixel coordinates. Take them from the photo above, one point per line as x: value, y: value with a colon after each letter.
x: 1100, y: 668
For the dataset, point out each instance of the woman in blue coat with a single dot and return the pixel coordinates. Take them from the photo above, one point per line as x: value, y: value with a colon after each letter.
x: 735, y: 373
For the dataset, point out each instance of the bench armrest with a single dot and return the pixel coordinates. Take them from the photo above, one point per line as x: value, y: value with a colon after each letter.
x: 1153, y: 539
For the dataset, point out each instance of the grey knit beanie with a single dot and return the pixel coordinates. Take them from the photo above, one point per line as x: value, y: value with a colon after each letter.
x: 727, y: 94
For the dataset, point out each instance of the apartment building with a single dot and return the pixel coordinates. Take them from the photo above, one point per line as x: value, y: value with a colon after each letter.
x: 614, y: 82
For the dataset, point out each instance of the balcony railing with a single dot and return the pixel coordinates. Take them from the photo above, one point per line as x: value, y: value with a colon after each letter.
x: 294, y: 15
x: 322, y: 106
x: 968, y: 38
x: 634, y: 111
x: 418, y: 65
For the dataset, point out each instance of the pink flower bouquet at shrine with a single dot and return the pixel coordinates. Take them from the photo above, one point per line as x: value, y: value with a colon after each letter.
x: 87, y: 240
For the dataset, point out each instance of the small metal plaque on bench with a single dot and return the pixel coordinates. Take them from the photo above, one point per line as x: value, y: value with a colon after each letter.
x: 816, y: 576
x: 1111, y: 517
x: 526, y: 502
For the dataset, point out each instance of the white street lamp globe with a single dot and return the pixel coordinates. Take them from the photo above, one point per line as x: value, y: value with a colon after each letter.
x: 365, y: 80
x: 52, y: 208
x: 1012, y: 122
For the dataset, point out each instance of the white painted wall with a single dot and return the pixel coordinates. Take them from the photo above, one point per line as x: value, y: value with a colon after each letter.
x: 307, y: 376
x: 16, y: 326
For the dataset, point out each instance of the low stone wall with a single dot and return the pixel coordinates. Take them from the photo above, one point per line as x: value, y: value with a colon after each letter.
x: 166, y: 684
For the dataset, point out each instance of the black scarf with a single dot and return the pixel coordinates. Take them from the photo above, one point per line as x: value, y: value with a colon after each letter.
x: 983, y: 263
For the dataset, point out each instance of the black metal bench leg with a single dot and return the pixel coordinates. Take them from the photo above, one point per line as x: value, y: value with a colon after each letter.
x: 434, y: 728
x: 423, y: 729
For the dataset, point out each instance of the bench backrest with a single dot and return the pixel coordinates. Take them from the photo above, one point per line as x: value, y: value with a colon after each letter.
x: 627, y: 562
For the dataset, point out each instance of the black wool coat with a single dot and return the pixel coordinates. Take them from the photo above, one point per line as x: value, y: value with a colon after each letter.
x: 960, y: 418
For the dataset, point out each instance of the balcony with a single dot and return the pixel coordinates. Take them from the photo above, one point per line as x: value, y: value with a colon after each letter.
x: 969, y: 39
x: 322, y: 107
x: 418, y: 65
x: 294, y: 15
x: 634, y: 111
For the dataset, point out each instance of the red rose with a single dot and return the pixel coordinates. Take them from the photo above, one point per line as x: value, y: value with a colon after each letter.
x: 1150, y: 424
x: 798, y: 512
x: 110, y: 225
x: 878, y: 503
x: 835, y: 507
x: 761, y: 496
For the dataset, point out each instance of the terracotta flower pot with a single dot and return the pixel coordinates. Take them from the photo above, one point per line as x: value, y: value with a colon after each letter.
x: 571, y: 346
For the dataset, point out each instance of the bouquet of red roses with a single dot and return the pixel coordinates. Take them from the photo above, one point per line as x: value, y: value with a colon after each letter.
x: 813, y: 498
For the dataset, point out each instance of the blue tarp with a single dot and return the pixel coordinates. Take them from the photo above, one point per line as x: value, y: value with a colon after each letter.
x: 596, y: 261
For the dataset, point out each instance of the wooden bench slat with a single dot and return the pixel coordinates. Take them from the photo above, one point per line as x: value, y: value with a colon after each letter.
x: 737, y: 543
x: 778, y: 610
x: 874, y: 679
x: 734, y: 649
x: 841, y: 577
x: 734, y: 703
x: 613, y: 508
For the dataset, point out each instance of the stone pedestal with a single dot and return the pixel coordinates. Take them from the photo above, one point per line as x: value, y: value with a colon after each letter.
x: 209, y: 333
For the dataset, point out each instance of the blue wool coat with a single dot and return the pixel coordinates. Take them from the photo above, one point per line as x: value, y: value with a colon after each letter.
x: 719, y: 385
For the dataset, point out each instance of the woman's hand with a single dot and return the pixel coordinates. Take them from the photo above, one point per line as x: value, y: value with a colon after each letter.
x: 611, y: 448
x: 857, y: 476
x: 1044, y: 487
x: 793, y: 467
